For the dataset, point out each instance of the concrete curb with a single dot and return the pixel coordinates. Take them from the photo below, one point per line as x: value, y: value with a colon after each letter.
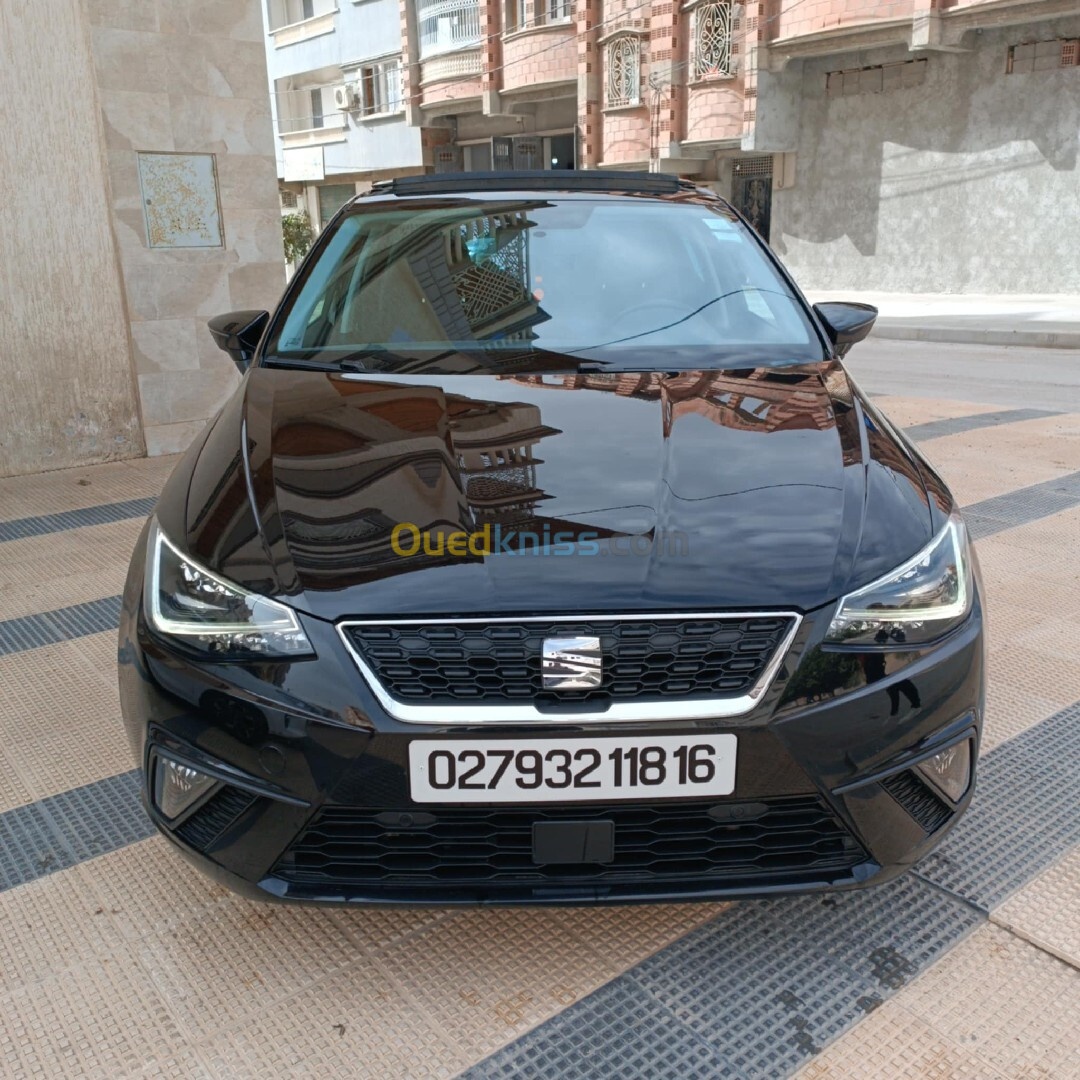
x: 963, y: 335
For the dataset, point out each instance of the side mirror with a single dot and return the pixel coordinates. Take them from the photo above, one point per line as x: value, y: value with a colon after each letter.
x: 846, y: 324
x: 238, y: 334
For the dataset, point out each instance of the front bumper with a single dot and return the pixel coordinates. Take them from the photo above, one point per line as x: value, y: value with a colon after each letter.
x: 313, y: 802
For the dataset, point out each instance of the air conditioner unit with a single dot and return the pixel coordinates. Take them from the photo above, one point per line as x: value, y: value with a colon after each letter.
x: 347, y: 96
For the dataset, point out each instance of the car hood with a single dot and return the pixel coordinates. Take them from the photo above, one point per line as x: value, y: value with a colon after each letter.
x: 755, y: 488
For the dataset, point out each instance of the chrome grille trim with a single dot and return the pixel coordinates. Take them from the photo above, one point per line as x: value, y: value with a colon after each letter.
x: 616, y: 713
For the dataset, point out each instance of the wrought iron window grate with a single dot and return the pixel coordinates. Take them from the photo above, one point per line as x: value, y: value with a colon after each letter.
x: 712, y: 41
x: 624, y: 71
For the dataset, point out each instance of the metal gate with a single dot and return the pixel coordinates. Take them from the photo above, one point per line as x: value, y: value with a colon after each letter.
x: 751, y: 190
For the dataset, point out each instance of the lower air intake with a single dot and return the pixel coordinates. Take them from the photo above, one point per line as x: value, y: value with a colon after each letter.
x: 658, y: 843
x: 918, y: 800
x: 215, y: 815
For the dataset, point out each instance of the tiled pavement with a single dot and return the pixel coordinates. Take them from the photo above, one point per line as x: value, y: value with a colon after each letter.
x: 116, y: 959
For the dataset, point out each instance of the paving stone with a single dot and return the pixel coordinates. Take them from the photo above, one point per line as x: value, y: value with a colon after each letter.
x: 1047, y: 911
x: 892, y: 1044
x: 1012, y: 1004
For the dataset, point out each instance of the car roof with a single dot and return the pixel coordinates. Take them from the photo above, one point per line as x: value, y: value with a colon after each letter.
x: 569, y: 182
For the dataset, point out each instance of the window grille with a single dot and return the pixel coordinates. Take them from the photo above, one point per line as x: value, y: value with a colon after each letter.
x: 445, y: 25
x: 712, y: 40
x: 624, y: 71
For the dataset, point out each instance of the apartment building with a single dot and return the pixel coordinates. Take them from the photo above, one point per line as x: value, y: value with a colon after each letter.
x: 337, y: 97
x: 905, y: 145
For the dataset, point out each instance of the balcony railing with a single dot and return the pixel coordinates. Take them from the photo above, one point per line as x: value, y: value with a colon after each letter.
x: 446, y: 25
x: 454, y: 66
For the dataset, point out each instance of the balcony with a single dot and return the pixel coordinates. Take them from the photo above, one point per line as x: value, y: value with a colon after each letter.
x: 452, y: 66
x: 307, y: 114
x: 445, y: 26
x: 292, y: 21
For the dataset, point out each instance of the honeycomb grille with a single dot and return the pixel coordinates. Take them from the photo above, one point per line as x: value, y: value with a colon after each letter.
x: 656, y: 659
x: 672, y: 842
x: 203, y: 827
x: 918, y: 800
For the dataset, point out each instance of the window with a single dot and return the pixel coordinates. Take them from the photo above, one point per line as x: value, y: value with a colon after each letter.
x: 316, y: 108
x: 712, y: 40
x: 332, y: 197
x: 557, y: 11
x: 381, y: 88
x: 624, y: 71
x: 283, y: 13
x: 1042, y: 56
x: 517, y: 14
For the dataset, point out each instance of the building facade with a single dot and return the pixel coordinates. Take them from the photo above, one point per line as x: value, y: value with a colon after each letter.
x: 337, y: 95
x: 140, y: 200
x: 903, y: 145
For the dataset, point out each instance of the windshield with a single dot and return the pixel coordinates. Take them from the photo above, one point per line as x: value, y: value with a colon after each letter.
x: 600, y: 279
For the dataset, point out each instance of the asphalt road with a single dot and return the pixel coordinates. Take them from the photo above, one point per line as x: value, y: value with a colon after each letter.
x: 1009, y: 376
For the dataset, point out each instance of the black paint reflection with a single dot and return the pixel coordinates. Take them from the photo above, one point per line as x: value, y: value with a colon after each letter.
x: 749, y: 487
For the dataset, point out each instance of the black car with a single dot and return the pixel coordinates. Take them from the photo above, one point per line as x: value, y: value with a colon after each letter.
x: 547, y: 554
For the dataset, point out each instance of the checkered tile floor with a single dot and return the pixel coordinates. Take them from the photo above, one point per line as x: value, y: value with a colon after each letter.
x: 116, y: 959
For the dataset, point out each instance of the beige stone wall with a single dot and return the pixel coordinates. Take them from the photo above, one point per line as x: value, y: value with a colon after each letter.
x: 65, y: 364
x: 104, y: 351
x: 188, y: 76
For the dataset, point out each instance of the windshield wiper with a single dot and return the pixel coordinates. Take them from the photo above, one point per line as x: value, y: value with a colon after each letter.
x: 352, y: 363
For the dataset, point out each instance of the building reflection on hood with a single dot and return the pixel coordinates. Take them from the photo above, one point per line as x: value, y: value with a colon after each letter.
x: 373, y: 454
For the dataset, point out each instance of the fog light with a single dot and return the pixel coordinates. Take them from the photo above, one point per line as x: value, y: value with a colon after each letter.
x: 949, y: 771
x: 176, y: 786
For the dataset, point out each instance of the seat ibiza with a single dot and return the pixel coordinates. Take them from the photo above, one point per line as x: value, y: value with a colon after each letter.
x: 546, y: 553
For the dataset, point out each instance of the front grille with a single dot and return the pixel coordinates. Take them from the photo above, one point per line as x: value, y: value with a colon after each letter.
x: 643, y: 659
x: 214, y: 817
x: 662, y: 842
x: 918, y: 800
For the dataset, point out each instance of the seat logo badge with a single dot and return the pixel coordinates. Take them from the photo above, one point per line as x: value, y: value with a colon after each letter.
x: 571, y: 663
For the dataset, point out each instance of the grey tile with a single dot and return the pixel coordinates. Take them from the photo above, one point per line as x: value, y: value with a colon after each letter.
x: 29, y: 846
x: 43, y: 524
x: 65, y: 829
x: 102, y: 816
x: 888, y: 934
x: 619, y: 1030
x: 935, y: 429
x: 63, y: 624
x: 1023, y: 816
x: 754, y: 986
x: 1023, y: 506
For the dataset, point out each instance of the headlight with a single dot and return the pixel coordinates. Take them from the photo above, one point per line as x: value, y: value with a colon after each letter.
x: 915, y: 603
x: 185, y: 601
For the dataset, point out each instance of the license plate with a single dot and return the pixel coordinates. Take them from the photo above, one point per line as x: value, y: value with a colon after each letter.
x: 644, y: 767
